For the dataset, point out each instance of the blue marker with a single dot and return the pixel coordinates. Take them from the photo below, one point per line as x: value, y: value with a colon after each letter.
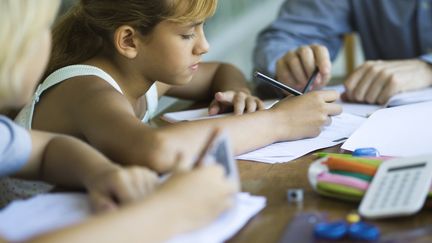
x: 331, y: 231
x: 363, y: 231
x: 366, y: 152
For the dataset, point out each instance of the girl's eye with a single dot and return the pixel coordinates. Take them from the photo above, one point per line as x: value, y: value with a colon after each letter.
x: 188, y: 37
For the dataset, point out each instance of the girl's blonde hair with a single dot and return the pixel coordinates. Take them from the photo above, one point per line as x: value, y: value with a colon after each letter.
x: 21, y: 22
x: 87, y: 29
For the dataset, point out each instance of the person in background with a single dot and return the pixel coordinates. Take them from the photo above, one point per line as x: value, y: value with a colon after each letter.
x: 149, y: 211
x: 396, y: 36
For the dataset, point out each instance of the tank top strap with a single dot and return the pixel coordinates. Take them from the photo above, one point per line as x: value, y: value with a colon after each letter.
x: 74, y: 71
x: 152, y: 99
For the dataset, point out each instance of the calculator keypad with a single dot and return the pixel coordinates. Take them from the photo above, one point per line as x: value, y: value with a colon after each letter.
x: 395, y: 190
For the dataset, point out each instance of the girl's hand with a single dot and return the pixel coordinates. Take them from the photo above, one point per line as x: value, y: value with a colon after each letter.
x: 119, y: 186
x: 241, y: 102
x: 304, y: 116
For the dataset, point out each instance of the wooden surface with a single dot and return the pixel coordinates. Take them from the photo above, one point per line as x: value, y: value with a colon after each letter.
x: 273, y: 181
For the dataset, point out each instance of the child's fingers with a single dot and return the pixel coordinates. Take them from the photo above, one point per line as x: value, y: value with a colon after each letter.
x: 334, y: 109
x: 239, y: 103
x: 144, y: 180
x: 182, y: 165
x: 214, y: 108
x: 225, y: 97
x: 123, y: 188
x: 101, y: 202
x: 251, y: 104
x: 327, y: 95
x: 260, y: 104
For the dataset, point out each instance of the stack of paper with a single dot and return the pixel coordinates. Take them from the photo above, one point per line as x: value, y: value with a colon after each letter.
x: 399, y: 131
x: 24, y: 219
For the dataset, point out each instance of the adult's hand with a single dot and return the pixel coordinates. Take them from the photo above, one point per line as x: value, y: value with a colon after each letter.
x: 375, y: 82
x: 296, y: 67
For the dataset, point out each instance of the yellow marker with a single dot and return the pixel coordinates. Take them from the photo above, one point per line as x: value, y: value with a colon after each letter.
x: 353, y: 218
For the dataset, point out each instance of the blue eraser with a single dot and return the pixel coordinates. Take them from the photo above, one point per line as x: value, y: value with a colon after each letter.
x: 363, y: 231
x: 366, y: 152
x: 331, y: 231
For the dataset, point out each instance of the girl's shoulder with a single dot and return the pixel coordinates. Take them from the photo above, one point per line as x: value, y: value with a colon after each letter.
x: 79, y: 72
x: 74, y: 92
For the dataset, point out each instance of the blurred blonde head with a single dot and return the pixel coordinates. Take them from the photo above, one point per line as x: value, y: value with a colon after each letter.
x: 22, y: 23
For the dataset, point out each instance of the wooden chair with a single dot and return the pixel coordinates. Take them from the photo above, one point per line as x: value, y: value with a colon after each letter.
x: 350, y: 53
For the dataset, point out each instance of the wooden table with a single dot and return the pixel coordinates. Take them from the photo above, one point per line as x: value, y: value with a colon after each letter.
x: 273, y: 181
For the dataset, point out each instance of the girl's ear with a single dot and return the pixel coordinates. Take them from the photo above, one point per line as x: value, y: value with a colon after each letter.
x: 126, y: 41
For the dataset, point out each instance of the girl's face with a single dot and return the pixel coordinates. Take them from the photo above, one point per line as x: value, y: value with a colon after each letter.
x: 35, y: 65
x: 172, y: 52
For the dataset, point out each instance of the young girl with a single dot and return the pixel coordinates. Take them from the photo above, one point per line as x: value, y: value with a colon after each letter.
x: 112, y: 60
x: 184, y: 202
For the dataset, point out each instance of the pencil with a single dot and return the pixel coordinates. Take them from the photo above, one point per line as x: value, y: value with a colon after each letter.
x: 277, y: 84
x: 311, y: 80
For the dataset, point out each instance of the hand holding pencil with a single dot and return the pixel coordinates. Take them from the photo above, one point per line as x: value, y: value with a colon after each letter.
x: 296, y: 67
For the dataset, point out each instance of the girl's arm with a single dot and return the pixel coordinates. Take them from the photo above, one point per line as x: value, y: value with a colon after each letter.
x: 105, y: 118
x: 68, y: 162
x: 185, y: 202
x: 211, y: 77
x: 222, y: 83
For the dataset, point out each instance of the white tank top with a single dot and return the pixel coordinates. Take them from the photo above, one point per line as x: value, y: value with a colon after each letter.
x: 25, y: 117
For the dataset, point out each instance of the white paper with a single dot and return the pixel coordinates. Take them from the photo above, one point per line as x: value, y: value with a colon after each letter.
x: 24, y: 219
x: 228, y: 224
x: 341, y: 128
x: 410, y: 97
x: 200, y: 114
x: 399, y: 131
x: 363, y: 110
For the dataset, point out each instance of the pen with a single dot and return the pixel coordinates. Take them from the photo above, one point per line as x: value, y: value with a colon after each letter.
x: 277, y: 84
x: 311, y: 80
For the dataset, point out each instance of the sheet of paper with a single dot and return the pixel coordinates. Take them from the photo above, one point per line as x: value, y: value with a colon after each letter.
x: 228, y: 224
x: 399, y: 131
x: 410, y: 97
x: 199, y: 114
x: 341, y: 128
x: 24, y: 219
x: 363, y: 110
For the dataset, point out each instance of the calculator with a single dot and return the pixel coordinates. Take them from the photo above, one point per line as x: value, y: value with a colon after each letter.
x: 399, y: 188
